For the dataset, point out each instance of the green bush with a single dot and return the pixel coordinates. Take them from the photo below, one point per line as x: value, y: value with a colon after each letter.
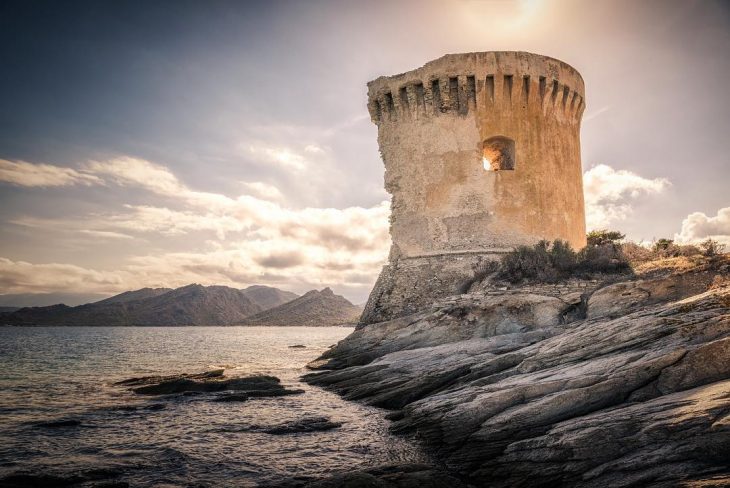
x: 548, y: 263
x: 604, y: 258
x: 562, y: 256
x: 603, y: 236
x: 663, y: 245
x: 712, y: 248
x: 666, y: 248
x: 526, y: 262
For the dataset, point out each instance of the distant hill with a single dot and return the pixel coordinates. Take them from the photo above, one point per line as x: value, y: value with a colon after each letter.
x: 130, y: 296
x: 268, y: 297
x: 188, y: 305
x: 314, y: 309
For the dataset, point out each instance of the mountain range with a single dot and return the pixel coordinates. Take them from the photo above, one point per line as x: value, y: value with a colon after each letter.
x: 195, y: 305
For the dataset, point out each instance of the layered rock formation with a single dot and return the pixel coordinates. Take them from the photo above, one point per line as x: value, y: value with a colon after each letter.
x: 624, y: 385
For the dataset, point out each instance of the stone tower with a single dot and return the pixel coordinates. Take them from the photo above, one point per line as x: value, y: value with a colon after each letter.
x: 481, y: 153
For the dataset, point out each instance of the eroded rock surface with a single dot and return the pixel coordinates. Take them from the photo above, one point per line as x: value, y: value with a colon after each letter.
x: 507, y: 393
x: 449, y: 321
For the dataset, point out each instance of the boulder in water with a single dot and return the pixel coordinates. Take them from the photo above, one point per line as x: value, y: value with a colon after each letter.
x: 306, y: 424
x: 209, y: 382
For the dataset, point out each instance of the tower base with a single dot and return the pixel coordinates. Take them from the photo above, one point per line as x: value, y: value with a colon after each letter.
x: 410, y: 284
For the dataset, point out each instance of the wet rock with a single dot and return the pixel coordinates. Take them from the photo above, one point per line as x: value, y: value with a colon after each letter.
x: 235, y: 397
x: 24, y: 480
x: 211, y: 382
x: 151, y: 380
x: 58, y: 424
x: 306, y: 424
x: 273, y: 393
x: 51, y: 480
x: 394, y: 476
x: 136, y: 408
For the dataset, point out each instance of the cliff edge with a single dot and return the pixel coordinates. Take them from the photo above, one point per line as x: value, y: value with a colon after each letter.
x: 623, y: 383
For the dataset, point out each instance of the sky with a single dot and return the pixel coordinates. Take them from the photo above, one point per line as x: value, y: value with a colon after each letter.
x: 219, y: 142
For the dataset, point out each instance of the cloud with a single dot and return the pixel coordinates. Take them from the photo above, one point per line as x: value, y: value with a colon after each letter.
x: 698, y: 227
x: 257, y: 240
x: 21, y: 173
x: 281, y: 260
x: 262, y: 190
x: 280, y: 156
x: 24, y: 277
x: 103, y: 234
x: 609, y: 194
x: 129, y: 171
x: 286, y: 264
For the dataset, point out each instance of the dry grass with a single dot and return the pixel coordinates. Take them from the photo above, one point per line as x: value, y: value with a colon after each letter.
x: 679, y: 264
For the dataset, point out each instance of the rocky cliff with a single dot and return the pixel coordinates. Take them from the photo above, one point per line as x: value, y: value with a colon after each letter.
x: 621, y: 384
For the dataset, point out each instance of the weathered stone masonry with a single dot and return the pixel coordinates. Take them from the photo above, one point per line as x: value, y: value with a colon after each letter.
x: 481, y: 153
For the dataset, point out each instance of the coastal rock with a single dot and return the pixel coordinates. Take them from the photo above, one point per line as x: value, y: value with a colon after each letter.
x: 306, y: 424
x: 58, y: 424
x: 152, y: 380
x: 395, y: 476
x: 529, y: 407
x: 235, y: 397
x: 451, y: 320
x: 620, y: 298
x: 98, y: 476
x: 208, y: 382
x: 684, y: 435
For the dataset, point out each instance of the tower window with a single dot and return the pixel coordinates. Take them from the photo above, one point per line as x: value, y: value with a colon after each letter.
x: 498, y: 154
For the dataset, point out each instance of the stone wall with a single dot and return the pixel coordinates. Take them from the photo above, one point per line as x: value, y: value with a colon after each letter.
x: 407, y: 285
x: 557, y: 290
x: 481, y: 153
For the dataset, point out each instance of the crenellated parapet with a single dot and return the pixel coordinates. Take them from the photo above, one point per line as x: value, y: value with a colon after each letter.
x: 462, y: 84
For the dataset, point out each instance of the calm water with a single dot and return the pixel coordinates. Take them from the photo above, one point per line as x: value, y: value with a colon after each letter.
x: 61, y: 373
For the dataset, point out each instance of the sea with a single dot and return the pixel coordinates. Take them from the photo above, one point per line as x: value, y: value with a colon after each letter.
x: 62, y: 417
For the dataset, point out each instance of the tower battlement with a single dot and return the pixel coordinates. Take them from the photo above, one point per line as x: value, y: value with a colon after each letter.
x: 481, y: 154
x: 464, y: 84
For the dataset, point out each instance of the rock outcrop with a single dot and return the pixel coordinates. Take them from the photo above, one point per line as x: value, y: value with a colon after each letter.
x: 519, y: 391
x: 243, y: 388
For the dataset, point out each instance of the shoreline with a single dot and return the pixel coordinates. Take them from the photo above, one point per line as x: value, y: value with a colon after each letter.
x: 509, y: 390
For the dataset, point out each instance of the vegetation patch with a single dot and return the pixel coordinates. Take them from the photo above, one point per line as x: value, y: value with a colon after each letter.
x: 549, y: 262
